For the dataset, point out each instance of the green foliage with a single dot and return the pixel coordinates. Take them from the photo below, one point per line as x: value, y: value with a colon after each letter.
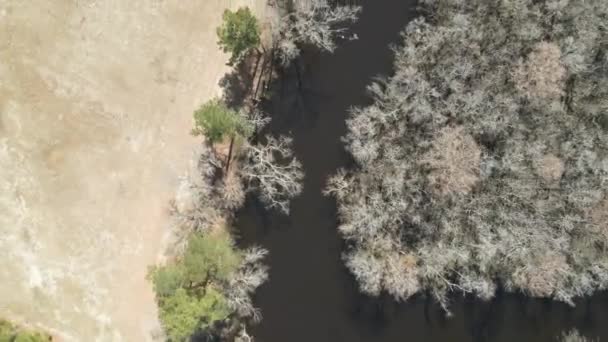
x: 210, y: 257
x: 11, y: 333
x: 239, y: 33
x: 184, y: 314
x: 216, y: 121
x: 187, y: 290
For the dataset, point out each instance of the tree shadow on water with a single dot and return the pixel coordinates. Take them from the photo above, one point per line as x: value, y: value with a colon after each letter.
x: 237, y: 85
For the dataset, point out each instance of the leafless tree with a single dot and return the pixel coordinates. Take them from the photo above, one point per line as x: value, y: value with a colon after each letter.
x: 274, y: 171
x: 574, y: 336
x: 482, y: 159
x: 315, y: 22
x: 243, y: 284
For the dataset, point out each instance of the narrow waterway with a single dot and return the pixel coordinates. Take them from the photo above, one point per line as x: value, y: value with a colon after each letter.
x: 310, y: 296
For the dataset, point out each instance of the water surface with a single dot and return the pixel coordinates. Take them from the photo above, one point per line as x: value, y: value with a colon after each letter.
x: 311, y: 297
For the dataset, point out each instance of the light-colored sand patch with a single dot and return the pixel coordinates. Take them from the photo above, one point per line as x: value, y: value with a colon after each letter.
x: 95, y: 112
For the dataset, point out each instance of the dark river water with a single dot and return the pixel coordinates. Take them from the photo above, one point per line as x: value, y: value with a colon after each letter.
x: 310, y: 296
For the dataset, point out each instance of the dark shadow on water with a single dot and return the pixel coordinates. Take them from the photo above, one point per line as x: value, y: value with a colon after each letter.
x: 238, y: 84
x: 310, y: 296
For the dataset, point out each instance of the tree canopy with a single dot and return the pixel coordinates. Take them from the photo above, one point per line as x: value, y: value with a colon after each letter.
x: 184, y: 314
x: 216, y: 121
x: 482, y: 162
x: 187, y: 289
x: 239, y: 33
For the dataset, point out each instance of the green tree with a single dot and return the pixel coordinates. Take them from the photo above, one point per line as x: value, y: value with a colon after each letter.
x: 239, y: 33
x: 184, y: 314
x: 216, y: 121
x: 167, y: 279
x: 210, y: 257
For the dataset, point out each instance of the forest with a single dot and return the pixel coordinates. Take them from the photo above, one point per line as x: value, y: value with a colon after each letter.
x: 482, y: 163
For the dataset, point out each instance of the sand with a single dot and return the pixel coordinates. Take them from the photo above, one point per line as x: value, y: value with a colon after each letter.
x: 96, y: 102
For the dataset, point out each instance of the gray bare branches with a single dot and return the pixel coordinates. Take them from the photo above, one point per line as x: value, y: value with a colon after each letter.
x: 274, y: 171
x: 247, y: 279
x: 482, y: 160
x: 315, y: 22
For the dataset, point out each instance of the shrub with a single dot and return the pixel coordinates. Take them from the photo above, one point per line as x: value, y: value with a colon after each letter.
x: 11, y: 333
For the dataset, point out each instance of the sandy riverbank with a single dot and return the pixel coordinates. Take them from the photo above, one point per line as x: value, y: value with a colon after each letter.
x: 95, y: 112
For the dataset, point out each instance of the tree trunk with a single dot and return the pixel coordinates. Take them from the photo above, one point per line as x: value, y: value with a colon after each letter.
x: 230, y: 153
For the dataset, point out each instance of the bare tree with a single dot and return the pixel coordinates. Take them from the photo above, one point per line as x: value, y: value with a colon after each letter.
x: 247, y: 279
x: 482, y: 160
x: 315, y: 22
x: 274, y: 171
x: 574, y: 336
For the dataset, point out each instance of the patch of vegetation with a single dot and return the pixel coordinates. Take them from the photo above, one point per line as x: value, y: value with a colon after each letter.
x: 216, y: 121
x: 187, y: 289
x: 482, y: 162
x: 239, y: 33
x: 12, y: 333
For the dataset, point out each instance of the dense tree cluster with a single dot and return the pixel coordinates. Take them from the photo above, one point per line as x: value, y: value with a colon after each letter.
x: 483, y: 161
x: 269, y: 167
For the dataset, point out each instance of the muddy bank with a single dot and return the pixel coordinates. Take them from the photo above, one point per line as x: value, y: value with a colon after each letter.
x: 310, y: 295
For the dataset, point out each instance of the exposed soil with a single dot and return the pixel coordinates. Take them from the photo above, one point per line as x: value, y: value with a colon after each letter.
x: 96, y: 102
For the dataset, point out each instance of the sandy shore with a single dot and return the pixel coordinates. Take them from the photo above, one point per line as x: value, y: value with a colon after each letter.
x: 96, y: 100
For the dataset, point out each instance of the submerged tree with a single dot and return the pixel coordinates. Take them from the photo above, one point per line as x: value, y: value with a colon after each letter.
x: 573, y: 336
x: 482, y: 161
x: 239, y: 33
x: 276, y: 173
x: 270, y: 167
x: 315, y: 22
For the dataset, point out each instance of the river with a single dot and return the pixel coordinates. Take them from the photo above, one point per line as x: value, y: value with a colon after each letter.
x: 311, y: 297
